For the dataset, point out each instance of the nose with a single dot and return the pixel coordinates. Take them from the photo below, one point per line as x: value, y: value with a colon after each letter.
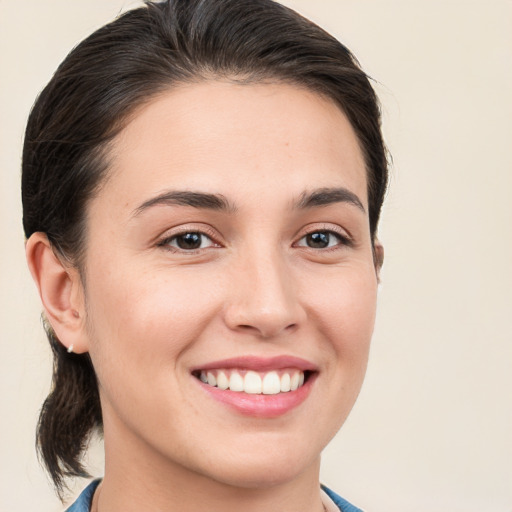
x: 264, y: 297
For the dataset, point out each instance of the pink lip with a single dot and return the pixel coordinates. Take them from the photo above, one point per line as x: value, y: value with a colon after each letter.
x: 260, y: 364
x: 261, y: 406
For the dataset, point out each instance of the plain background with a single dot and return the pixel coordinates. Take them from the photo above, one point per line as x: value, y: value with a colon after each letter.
x: 432, y: 430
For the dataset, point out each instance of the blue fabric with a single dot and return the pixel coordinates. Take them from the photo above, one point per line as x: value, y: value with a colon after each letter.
x: 342, y: 504
x: 83, y: 502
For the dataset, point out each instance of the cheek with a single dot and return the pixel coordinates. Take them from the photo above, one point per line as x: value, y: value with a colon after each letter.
x: 142, y: 327
x: 146, y: 319
x: 344, y: 307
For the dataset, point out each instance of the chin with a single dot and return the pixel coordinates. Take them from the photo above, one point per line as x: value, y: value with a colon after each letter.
x: 250, y: 476
x: 265, y: 468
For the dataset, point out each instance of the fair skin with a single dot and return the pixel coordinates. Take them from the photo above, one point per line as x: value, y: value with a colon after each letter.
x: 276, y: 276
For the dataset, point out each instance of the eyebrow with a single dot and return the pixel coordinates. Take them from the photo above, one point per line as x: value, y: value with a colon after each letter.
x: 316, y: 198
x: 201, y: 200
x: 327, y: 196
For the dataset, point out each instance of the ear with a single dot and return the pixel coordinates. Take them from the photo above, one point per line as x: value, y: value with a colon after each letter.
x: 378, y: 257
x: 61, y: 292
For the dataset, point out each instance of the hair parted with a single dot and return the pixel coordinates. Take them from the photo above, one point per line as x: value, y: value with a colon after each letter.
x: 92, y: 96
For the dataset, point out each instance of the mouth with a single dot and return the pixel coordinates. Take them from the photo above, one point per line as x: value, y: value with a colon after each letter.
x: 242, y: 380
x: 258, y: 387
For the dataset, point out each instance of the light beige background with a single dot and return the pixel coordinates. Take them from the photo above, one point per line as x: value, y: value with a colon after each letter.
x: 432, y: 430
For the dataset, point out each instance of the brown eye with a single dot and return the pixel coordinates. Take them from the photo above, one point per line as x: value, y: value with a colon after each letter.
x: 318, y: 240
x: 189, y: 241
x: 321, y: 240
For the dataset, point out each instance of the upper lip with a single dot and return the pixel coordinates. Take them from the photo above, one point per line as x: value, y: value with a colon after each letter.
x: 258, y: 363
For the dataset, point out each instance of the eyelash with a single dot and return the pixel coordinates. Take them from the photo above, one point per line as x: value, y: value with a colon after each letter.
x: 166, y: 242
x: 343, y: 240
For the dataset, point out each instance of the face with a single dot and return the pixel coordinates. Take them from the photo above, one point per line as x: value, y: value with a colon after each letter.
x: 230, y: 286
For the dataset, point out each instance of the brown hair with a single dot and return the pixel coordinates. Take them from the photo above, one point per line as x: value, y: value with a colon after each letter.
x: 89, y: 100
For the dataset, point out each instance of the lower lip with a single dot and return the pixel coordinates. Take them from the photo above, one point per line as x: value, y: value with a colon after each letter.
x: 261, y: 406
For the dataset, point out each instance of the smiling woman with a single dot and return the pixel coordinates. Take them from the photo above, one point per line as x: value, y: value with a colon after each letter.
x: 202, y: 182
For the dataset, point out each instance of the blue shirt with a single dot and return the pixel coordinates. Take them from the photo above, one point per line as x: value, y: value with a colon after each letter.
x: 83, y: 503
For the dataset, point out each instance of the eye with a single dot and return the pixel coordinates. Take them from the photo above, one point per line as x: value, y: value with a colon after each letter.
x: 322, y: 240
x: 188, y: 241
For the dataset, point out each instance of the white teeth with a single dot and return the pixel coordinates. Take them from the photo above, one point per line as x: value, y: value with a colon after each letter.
x: 285, y: 383
x: 271, y: 384
x: 294, y: 383
x: 236, y: 383
x: 222, y: 381
x: 211, y: 379
x: 254, y: 383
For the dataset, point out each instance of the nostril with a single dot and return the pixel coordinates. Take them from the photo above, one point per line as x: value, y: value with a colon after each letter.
x: 267, y: 330
x: 248, y: 328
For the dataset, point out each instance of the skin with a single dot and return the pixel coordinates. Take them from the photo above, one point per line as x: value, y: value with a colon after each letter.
x: 151, y: 312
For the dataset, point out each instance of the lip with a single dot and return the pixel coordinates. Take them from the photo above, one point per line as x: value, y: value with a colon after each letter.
x: 260, y: 364
x: 260, y: 406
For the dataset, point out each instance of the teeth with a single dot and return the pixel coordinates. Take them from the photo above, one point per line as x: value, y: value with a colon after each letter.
x: 211, y: 379
x: 254, y: 383
x: 222, y: 381
x: 294, y: 383
x: 271, y: 384
x: 236, y: 383
x: 285, y: 382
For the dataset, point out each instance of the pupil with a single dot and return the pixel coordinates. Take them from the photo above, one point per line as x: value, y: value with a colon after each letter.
x: 189, y: 241
x: 318, y: 240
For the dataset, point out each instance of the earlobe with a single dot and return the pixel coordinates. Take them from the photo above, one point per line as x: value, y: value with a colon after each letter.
x: 61, y: 293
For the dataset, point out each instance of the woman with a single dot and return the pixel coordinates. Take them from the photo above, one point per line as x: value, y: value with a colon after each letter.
x: 202, y: 183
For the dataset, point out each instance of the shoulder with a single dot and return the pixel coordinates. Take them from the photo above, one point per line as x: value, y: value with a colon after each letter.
x: 83, y: 502
x: 341, y: 503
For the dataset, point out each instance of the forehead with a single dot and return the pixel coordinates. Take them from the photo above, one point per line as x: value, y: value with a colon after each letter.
x: 245, y: 140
